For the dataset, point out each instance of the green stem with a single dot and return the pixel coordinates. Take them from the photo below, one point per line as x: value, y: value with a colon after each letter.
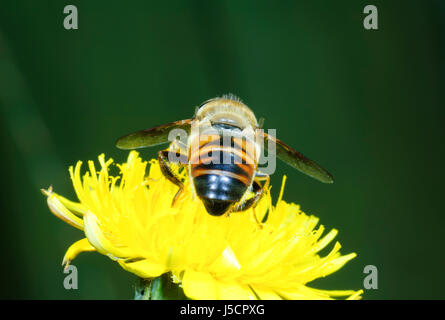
x: 160, y: 288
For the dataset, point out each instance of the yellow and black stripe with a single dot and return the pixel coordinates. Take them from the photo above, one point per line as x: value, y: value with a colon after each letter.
x: 222, y: 173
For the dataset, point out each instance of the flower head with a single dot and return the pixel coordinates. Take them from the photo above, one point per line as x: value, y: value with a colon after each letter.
x: 130, y: 219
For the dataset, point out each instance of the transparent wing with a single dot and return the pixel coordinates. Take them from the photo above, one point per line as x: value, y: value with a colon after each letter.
x: 153, y: 136
x: 297, y: 160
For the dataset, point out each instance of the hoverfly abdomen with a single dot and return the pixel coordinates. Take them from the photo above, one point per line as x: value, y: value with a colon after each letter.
x: 221, y: 173
x: 219, y: 191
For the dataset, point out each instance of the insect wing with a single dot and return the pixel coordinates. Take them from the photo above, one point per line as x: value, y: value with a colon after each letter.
x: 153, y: 136
x: 297, y: 160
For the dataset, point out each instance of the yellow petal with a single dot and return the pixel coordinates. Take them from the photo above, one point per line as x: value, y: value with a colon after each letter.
x: 75, y: 207
x: 264, y: 294
x: 304, y: 293
x: 227, y: 262
x: 356, y: 296
x: 337, y: 263
x: 202, y: 286
x: 144, y: 268
x: 234, y: 291
x: 325, y: 240
x: 74, y: 250
x: 59, y: 210
x: 96, y: 237
x: 353, y: 295
x: 199, y: 285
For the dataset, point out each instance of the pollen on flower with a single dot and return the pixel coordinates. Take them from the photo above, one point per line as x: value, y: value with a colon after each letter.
x: 130, y: 219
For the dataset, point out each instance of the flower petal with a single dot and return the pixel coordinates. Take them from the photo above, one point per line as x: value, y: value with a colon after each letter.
x: 234, y: 291
x: 199, y: 285
x: 75, y: 207
x: 77, y: 247
x: 227, y: 262
x: 202, y: 286
x: 96, y: 237
x: 59, y: 210
x: 325, y: 240
x: 143, y: 268
x: 265, y: 294
x: 356, y: 296
x: 302, y: 292
x: 353, y: 295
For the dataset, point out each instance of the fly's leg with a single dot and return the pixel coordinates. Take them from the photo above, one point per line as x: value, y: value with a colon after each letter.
x: 259, y: 176
x: 166, y: 158
x: 259, y: 191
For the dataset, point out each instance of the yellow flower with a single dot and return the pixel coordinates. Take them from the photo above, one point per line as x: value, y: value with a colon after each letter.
x: 129, y: 218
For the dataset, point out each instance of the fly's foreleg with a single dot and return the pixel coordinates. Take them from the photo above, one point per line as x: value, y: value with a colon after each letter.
x: 259, y: 191
x: 166, y: 158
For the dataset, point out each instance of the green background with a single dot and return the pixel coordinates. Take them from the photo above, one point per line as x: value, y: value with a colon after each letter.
x: 367, y: 105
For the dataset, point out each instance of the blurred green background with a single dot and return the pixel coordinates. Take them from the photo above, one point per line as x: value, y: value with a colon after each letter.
x: 367, y: 105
